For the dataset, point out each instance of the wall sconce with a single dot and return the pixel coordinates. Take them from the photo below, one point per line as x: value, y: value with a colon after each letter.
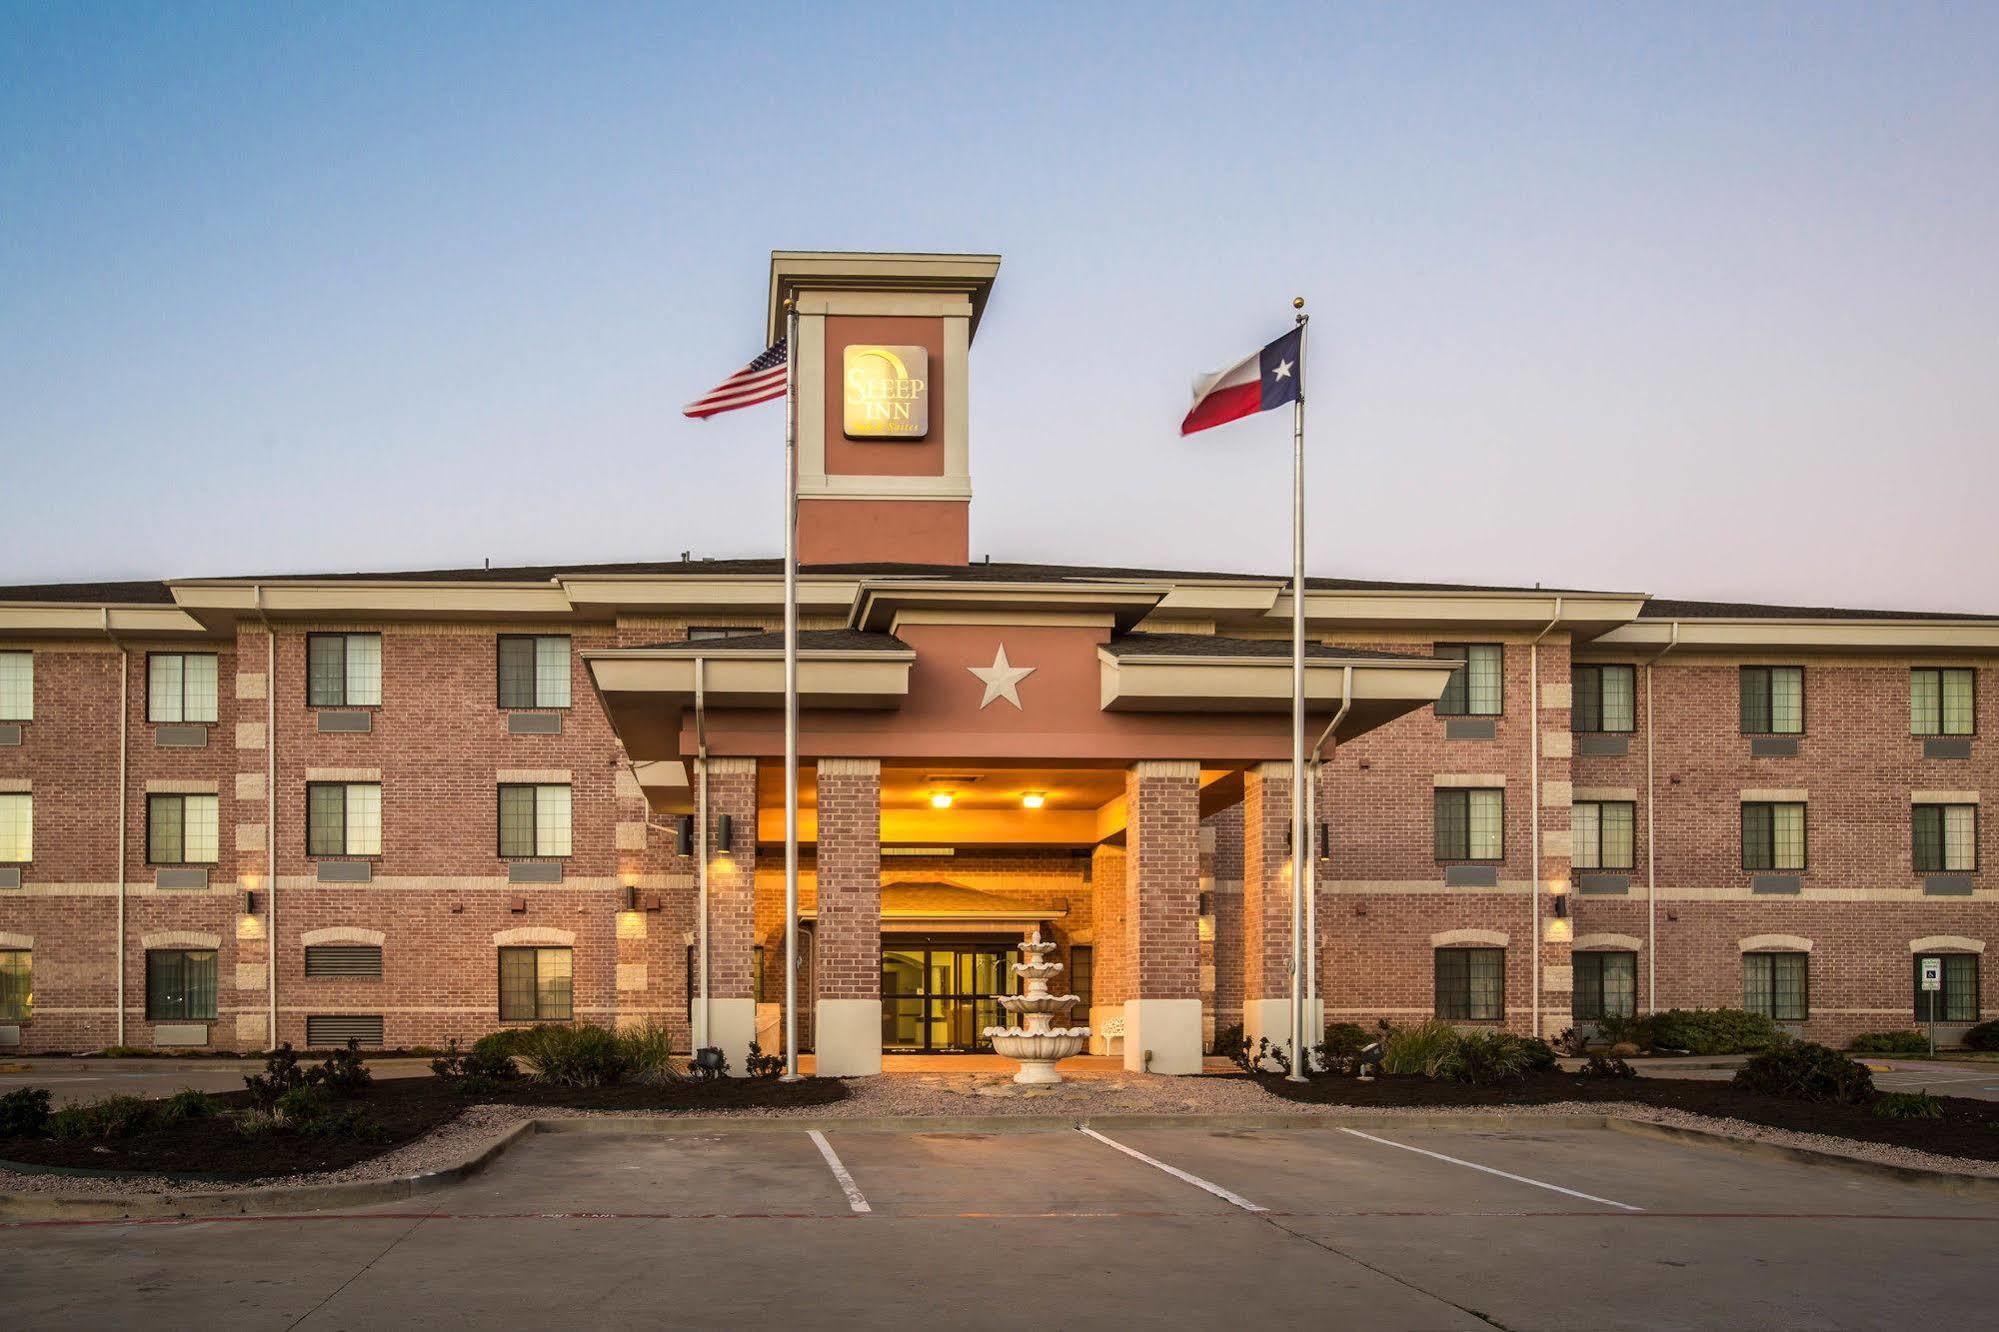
x: 1323, y: 835
x: 725, y: 834
x: 631, y: 897
x: 1561, y: 906
x: 684, y: 835
x: 1032, y: 800
x: 249, y: 902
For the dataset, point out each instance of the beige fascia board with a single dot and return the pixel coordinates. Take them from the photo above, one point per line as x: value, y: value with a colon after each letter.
x: 879, y: 602
x: 1237, y: 600
x: 1580, y: 614
x: 1011, y: 619
x: 655, y: 593
x: 969, y: 275
x: 842, y: 679
x: 1975, y: 636
x: 379, y: 598
x: 54, y: 619
x: 1259, y: 684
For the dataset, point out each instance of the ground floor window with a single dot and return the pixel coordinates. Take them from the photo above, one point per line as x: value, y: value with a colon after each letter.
x: 1471, y: 984
x: 1957, y: 1001
x: 1082, y: 981
x: 535, y: 985
x: 16, y: 984
x: 1774, y: 984
x: 1606, y: 985
x: 180, y: 985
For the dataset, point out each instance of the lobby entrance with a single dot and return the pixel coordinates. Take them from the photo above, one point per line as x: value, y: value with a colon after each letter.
x: 937, y: 991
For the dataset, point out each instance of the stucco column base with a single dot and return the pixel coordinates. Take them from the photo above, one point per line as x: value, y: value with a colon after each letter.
x: 847, y: 1038
x: 732, y: 1025
x: 1272, y: 1018
x: 1169, y: 1028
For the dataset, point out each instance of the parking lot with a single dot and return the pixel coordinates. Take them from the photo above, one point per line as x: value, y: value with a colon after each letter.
x: 1380, y: 1227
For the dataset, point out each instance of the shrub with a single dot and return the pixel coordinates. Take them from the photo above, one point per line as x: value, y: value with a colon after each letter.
x: 112, y: 1117
x: 344, y: 1071
x: 648, y: 1054
x: 257, y: 1123
x: 281, y: 1074
x: 580, y: 1056
x: 1711, y: 1031
x: 1415, y: 1049
x: 1890, y: 1042
x: 301, y: 1105
x: 1540, y: 1054
x: 761, y: 1065
x: 1481, y: 1058
x: 1908, y: 1105
x: 24, y: 1113
x: 186, y: 1104
x: 1806, y: 1071
x: 1636, y: 1030
x: 1599, y: 1066
x: 1340, y: 1050
x: 487, y: 1063
x: 1984, y: 1036
x: 1571, y: 1042
x: 1228, y: 1040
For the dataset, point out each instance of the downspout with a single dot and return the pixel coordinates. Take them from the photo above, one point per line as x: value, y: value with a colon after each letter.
x: 124, y: 711
x: 270, y: 815
x: 1312, y: 852
x: 1652, y: 843
x: 1534, y: 801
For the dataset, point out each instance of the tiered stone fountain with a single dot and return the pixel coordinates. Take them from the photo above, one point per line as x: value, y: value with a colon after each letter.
x: 1039, y: 1043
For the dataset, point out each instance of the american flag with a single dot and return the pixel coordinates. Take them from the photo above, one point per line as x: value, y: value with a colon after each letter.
x: 759, y: 381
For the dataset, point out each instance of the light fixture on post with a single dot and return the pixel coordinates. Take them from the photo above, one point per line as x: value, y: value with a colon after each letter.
x: 1032, y: 800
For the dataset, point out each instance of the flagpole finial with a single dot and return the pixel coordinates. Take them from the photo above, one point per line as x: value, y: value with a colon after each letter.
x: 1297, y: 302
x: 791, y: 302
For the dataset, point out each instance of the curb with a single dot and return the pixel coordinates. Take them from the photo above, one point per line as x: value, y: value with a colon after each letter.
x: 1940, y: 1181
x: 1002, y: 1124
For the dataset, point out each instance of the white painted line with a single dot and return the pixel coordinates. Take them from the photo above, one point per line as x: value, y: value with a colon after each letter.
x: 1473, y: 1165
x: 855, y: 1199
x: 1225, y: 1195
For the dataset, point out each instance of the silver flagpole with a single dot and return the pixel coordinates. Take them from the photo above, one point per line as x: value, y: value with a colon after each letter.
x: 1300, y: 844
x: 791, y: 1073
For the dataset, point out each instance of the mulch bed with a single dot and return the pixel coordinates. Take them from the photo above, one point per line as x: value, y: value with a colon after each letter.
x: 406, y: 1108
x: 1969, y: 1128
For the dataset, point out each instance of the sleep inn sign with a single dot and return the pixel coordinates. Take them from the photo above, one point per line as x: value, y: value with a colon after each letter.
x: 888, y: 392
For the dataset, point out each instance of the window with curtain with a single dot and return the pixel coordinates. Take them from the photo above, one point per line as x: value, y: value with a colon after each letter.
x: 343, y: 819
x: 1605, y: 985
x: 181, y: 686
x: 180, y: 985
x: 182, y: 829
x: 1942, y: 701
x: 1945, y: 838
x: 534, y: 820
x: 1477, y: 688
x: 17, y: 686
x: 1773, y: 700
x: 17, y: 828
x: 343, y: 670
x: 17, y: 989
x: 1471, y: 984
x: 1773, y: 836
x: 535, y: 985
x: 1957, y: 1001
x: 1600, y: 831
x: 1604, y: 698
x: 534, y: 670
x: 1774, y: 984
x: 1470, y: 824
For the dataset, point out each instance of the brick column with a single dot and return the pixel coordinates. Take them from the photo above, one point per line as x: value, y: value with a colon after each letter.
x: 847, y: 1033
x: 1266, y: 908
x: 1556, y: 1000
x: 1162, y: 1014
x: 1226, y: 885
x: 732, y: 880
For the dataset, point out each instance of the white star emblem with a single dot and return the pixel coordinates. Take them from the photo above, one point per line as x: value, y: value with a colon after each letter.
x: 1283, y: 370
x: 1001, y: 679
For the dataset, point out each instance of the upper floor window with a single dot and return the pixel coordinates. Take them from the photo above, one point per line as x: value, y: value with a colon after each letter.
x: 343, y: 819
x: 534, y: 820
x: 1775, y: 985
x: 1773, y: 700
x: 17, y: 686
x: 17, y: 828
x: 1471, y: 824
x: 1773, y: 836
x: 1605, y: 698
x: 17, y: 972
x: 1941, y: 701
x: 704, y: 631
x: 343, y: 670
x: 182, y: 829
x: 1471, y: 984
x: 180, y: 985
x: 534, y: 670
x: 1945, y: 838
x: 180, y: 687
x: 1475, y: 689
x: 1605, y: 985
x: 1601, y: 833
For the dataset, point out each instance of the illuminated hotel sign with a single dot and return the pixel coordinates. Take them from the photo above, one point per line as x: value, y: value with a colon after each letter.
x: 888, y: 392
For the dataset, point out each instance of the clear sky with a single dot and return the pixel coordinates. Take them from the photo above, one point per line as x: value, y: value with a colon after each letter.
x: 1695, y: 299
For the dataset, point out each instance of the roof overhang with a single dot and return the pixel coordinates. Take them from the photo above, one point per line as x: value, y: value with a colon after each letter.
x: 791, y: 271
x: 881, y: 603
x: 1583, y: 615
x: 1801, y: 635
x: 1383, y: 689
x: 220, y: 602
x: 48, y: 619
x: 760, y: 594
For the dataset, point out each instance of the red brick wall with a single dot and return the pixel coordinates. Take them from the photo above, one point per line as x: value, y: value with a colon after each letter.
x: 1162, y: 879
x: 847, y: 940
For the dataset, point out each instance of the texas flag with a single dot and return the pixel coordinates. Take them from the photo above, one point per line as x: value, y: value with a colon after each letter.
x: 1268, y: 379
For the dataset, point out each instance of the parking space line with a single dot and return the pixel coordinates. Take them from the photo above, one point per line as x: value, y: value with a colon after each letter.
x: 855, y: 1199
x: 1225, y: 1195
x: 1473, y: 1165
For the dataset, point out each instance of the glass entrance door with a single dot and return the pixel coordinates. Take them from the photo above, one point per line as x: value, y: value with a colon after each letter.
x: 937, y: 995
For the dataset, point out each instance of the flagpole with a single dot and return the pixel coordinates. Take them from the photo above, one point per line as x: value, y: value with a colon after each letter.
x: 791, y: 1073
x: 1301, y: 846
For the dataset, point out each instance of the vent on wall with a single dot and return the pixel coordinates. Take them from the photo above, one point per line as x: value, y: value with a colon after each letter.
x: 343, y: 960
x: 334, y: 1029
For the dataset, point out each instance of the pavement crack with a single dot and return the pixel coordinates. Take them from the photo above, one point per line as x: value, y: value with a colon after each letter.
x: 1337, y: 1252
x: 362, y: 1271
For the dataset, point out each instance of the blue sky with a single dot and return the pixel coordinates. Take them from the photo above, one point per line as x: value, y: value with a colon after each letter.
x: 1701, y: 300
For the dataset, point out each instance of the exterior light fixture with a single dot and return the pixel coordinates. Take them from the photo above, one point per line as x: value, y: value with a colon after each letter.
x: 249, y: 902
x: 684, y: 835
x: 1561, y: 906
x: 631, y: 897
x: 1032, y: 800
x: 941, y: 800
x: 725, y: 839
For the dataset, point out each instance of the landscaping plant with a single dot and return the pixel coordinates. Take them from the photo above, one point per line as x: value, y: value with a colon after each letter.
x: 1890, y: 1042
x: 1908, y: 1105
x: 1415, y: 1049
x: 344, y: 1072
x: 1571, y: 1042
x: 760, y: 1065
x: 1482, y: 1058
x: 24, y: 1113
x: 186, y: 1104
x: 579, y: 1056
x: 111, y: 1117
x: 1602, y: 1066
x: 1710, y: 1031
x: 1540, y: 1054
x: 479, y: 1070
x: 1340, y: 1051
x: 1984, y: 1036
x: 1805, y: 1070
x: 281, y: 1074
x: 648, y: 1053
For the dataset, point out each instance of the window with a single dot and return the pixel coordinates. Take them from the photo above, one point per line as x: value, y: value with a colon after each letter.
x: 1475, y: 689
x: 1471, y: 984
x: 1773, y: 836
x: 1605, y: 698
x: 1945, y: 837
x: 1957, y: 1001
x: 17, y: 989
x: 182, y: 829
x: 17, y: 686
x: 1773, y: 700
x: 535, y: 985
x: 1470, y: 824
x: 1606, y: 985
x: 1773, y: 984
x: 534, y: 820
x: 1941, y: 701
x: 534, y: 671
x: 704, y: 631
x: 343, y: 819
x: 1082, y: 977
x: 17, y: 828
x: 1601, y: 833
x: 180, y: 687
x: 343, y: 960
x: 180, y: 985
x: 343, y: 670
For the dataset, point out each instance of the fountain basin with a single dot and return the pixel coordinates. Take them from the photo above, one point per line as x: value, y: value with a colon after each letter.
x: 1037, y: 1003
x: 1037, y: 1051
